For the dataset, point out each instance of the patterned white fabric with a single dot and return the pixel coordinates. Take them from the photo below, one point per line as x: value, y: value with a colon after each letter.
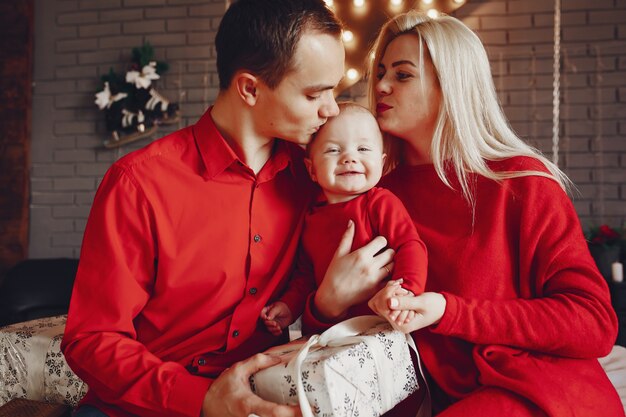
x: 343, y: 376
x: 32, y: 365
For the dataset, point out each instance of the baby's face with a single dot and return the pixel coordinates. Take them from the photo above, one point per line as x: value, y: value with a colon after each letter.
x: 346, y: 158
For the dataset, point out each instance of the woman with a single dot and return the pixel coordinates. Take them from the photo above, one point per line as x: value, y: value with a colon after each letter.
x: 515, y: 312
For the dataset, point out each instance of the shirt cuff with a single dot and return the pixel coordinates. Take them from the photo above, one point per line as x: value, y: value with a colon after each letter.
x: 187, y: 394
x: 310, y: 323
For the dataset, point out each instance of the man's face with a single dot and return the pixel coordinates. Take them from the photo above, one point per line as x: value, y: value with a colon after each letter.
x: 304, y: 99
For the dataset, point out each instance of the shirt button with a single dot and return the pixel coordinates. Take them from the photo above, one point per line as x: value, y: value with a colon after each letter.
x: 257, y: 238
x: 252, y: 291
x: 236, y: 333
x: 201, y: 361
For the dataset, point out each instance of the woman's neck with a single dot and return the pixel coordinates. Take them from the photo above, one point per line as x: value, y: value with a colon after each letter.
x: 416, y: 153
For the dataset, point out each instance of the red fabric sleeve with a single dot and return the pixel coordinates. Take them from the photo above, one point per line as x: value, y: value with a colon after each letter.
x: 300, y: 286
x: 100, y: 339
x: 568, y: 301
x: 393, y: 222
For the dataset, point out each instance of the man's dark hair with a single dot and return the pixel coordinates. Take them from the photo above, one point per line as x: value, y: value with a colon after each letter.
x: 261, y: 36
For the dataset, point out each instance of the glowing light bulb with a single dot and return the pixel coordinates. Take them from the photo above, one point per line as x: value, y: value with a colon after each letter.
x: 397, y: 2
x: 459, y: 1
x: 329, y: 3
x: 352, y: 74
x: 427, y: 1
x: 347, y: 36
x: 359, y: 3
x: 432, y: 13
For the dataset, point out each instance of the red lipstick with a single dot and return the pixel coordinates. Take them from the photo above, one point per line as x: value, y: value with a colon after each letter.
x: 382, y: 107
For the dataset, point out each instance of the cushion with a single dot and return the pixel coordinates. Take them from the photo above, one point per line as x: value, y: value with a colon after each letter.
x: 32, y: 365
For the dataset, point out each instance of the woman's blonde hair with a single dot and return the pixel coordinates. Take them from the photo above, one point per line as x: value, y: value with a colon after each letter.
x: 471, y: 127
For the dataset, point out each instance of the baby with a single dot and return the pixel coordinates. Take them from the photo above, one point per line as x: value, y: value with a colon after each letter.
x: 346, y: 159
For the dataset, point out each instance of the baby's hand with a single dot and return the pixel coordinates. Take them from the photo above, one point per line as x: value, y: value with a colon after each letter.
x: 276, y: 317
x: 403, y: 317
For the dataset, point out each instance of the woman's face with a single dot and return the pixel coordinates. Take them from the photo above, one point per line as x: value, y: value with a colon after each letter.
x: 407, y: 105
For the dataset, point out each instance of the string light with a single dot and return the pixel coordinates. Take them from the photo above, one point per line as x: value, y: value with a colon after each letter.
x: 352, y: 74
x: 362, y: 21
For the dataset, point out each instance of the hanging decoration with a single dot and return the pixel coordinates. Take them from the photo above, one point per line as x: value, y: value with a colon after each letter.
x: 363, y: 20
x: 556, y: 83
x: 133, y: 107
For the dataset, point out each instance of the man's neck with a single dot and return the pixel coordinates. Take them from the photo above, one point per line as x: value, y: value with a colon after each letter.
x: 237, y: 128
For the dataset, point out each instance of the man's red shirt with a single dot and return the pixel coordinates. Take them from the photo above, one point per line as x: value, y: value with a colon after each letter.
x: 183, y: 248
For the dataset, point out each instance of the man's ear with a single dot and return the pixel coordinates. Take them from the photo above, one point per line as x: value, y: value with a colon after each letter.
x: 384, y: 158
x: 247, y: 87
x: 309, y: 166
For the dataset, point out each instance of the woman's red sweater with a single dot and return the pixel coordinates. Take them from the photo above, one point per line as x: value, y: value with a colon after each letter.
x: 527, y: 309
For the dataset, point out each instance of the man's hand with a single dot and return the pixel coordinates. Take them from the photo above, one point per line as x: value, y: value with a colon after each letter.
x: 276, y: 317
x: 231, y: 396
x: 352, y: 277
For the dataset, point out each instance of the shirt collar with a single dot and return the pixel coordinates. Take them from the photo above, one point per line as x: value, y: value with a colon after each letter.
x: 217, y: 155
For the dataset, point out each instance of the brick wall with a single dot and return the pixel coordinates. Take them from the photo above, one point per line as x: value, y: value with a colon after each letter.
x: 519, y: 36
x: 78, y: 40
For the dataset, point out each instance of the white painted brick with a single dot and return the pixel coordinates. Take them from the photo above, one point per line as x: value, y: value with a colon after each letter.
x: 70, y: 212
x: 103, y: 29
x: 201, y: 38
x: 70, y: 240
x: 146, y: 26
x: 74, y: 155
x: 74, y: 183
x: 74, y: 72
x: 199, y: 52
x: 121, y: 15
x: 77, y: 18
x: 84, y: 198
x: 78, y: 127
x: 587, y: 5
x: 93, y: 169
x: 124, y: 42
x: 190, y: 24
x: 169, y: 39
x: 99, y: 4
x: 190, y: 2
x: 579, y: 175
x: 215, y: 9
x: 52, y: 199
x: 167, y: 11
x: 52, y: 170
x: 583, y: 207
x: 136, y: 3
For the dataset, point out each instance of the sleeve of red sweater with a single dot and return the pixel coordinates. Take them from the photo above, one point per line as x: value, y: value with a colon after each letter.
x: 393, y: 222
x: 302, y: 284
x: 570, y: 313
x: 100, y: 340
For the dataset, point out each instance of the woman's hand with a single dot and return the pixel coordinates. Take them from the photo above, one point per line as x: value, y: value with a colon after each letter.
x: 230, y: 394
x: 391, y: 300
x: 352, y: 277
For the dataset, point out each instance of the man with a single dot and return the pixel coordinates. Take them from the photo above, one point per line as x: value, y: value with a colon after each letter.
x: 191, y: 236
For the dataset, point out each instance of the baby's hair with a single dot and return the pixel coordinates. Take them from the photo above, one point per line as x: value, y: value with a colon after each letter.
x: 344, y: 108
